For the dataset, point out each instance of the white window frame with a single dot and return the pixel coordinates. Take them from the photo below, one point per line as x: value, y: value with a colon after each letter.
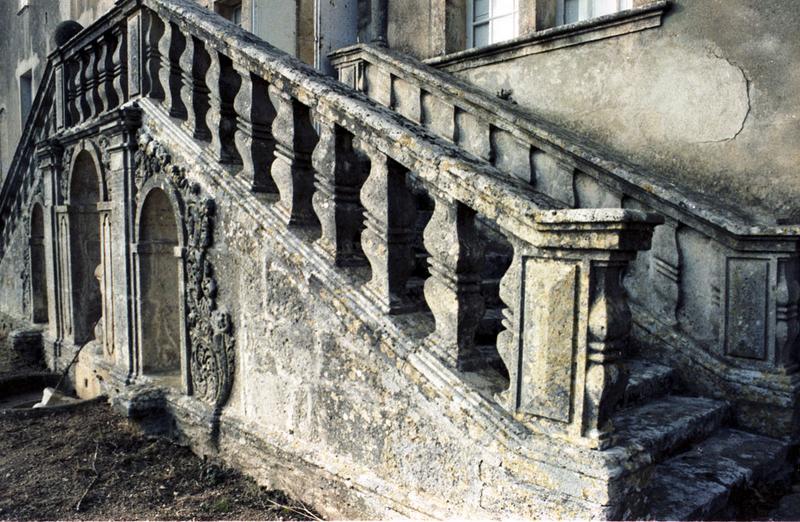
x: 471, y: 22
x: 586, y: 10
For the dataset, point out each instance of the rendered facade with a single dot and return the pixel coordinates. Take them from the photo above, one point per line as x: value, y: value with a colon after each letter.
x: 508, y: 258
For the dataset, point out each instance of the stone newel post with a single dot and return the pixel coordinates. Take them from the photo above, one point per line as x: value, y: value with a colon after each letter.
x: 567, y: 320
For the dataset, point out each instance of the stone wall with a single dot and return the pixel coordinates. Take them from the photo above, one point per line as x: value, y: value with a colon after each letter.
x: 15, y: 277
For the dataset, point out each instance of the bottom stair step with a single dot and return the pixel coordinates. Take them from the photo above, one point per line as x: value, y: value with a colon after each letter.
x: 666, y: 426
x: 697, y: 484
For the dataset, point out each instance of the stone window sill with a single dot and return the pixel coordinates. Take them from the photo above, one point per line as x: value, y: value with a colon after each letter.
x: 624, y: 22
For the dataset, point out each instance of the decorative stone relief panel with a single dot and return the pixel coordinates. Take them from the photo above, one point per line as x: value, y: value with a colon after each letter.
x: 547, y: 374
x: 747, y: 307
x: 209, y: 327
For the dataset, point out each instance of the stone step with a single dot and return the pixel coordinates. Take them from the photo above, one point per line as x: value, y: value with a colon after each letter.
x: 647, y: 380
x: 666, y: 426
x: 702, y: 482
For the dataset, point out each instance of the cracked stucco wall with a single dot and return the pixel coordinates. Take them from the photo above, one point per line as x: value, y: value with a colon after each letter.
x: 708, y: 100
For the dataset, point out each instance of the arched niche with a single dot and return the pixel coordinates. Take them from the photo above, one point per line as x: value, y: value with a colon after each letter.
x: 85, y: 247
x: 38, y: 270
x: 160, y: 300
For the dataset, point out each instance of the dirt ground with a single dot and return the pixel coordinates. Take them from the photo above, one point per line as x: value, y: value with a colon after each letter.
x: 91, y: 464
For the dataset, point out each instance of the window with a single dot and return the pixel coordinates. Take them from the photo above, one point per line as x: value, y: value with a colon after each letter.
x: 236, y: 15
x: 571, y: 11
x: 230, y: 9
x: 25, y: 96
x: 491, y: 21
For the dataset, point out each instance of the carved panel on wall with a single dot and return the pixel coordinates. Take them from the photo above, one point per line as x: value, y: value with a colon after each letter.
x: 747, y: 307
x: 209, y: 327
x: 546, y: 376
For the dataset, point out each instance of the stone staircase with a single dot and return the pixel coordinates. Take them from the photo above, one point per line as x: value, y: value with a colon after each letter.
x: 703, y: 467
x: 448, y: 271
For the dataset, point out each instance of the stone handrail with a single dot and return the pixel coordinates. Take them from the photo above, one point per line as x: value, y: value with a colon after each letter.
x: 340, y: 163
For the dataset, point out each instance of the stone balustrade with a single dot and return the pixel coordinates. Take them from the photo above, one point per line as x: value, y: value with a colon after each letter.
x: 349, y: 170
x: 715, y: 295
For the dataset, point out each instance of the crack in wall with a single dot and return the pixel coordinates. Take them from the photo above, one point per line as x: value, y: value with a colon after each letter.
x: 747, y: 83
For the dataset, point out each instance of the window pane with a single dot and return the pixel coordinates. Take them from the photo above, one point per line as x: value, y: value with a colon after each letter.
x: 481, y: 11
x: 502, y: 7
x: 604, y: 7
x: 571, y: 11
x: 504, y: 28
x: 481, y: 35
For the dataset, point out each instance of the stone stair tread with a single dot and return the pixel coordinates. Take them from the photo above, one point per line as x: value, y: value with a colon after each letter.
x: 663, y: 426
x: 697, y: 484
x: 647, y: 380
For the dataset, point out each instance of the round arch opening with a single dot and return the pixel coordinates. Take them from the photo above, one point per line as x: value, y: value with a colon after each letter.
x: 85, y: 245
x: 160, y: 297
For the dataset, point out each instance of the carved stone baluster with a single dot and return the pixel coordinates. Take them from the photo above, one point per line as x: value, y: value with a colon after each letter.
x: 292, y: 172
x: 387, y: 239
x: 787, y: 313
x: 340, y: 173
x: 93, y: 88
x: 254, y: 141
x: 194, y: 92
x: 170, y: 47
x: 153, y: 32
x: 103, y: 74
x: 223, y: 83
x: 73, y: 87
x: 609, y: 327
x: 117, y: 91
x: 508, y: 338
x: 453, y: 290
x: 81, y: 81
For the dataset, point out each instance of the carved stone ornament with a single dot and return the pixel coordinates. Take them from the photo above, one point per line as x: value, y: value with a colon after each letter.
x: 66, y: 161
x: 210, y: 330
x: 103, y: 145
